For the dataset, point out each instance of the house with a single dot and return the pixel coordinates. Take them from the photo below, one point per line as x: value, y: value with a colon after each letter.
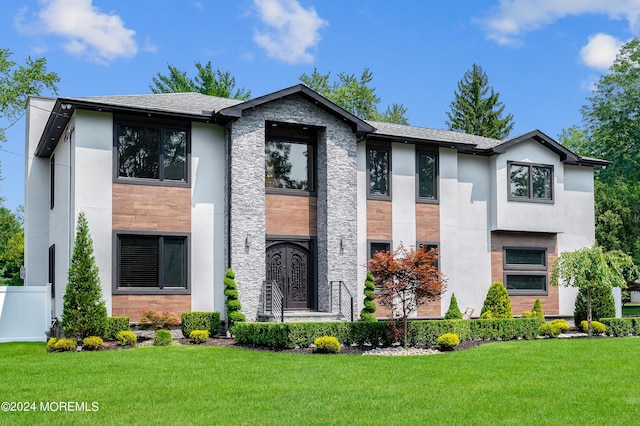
x: 290, y: 189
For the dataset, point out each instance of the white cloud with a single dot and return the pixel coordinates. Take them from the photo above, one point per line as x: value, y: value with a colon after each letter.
x: 88, y: 32
x: 512, y: 18
x: 290, y: 30
x: 600, y: 51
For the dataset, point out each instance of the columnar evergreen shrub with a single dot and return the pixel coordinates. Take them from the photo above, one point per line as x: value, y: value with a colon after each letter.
x: 447, y: 341
x: 116, y: 325
x: 454, y: 311
x: 126, y: 338
x: 84, y: 313
x: 497, y: 303
x: 367, y: 313
x: 327, y: 345
x: 92, y: 343
x: 232, y: 301
x: 162, y: 338
x: 209, y: 321
x: 602, y: 305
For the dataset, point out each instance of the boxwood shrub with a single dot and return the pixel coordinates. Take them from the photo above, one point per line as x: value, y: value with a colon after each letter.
x: 621, y: 327
x: 209, y: 321
x: 115, y: 325
x: 421, y: 333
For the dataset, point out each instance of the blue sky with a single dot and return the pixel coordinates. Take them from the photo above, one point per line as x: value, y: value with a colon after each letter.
x: 542, y: 56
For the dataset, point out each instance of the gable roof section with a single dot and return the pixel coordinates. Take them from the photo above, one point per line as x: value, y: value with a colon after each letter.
x: 359, y: 126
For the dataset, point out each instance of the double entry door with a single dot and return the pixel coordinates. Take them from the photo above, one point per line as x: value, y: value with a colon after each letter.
x: 289, y: 266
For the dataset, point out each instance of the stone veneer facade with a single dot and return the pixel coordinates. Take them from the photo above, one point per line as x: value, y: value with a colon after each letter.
x: 336, y: 202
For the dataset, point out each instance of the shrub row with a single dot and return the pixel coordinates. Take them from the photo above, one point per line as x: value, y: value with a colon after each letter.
x: 621, y: 327
x: 421, y: 333
x: 209, y: 321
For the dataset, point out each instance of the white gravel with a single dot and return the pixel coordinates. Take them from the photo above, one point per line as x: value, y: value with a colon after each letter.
x: 401, y: 351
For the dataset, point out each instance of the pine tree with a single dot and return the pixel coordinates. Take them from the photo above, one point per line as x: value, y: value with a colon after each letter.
x: 366, y: 314
x: 232, y: 303
x: 454, y: 310
x: 476, y: 108
x: 84, y: 313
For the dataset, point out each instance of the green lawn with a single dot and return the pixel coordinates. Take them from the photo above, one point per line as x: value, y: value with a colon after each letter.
x: 558, y: 382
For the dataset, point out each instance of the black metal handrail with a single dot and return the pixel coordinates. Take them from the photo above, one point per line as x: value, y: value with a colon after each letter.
x: 343, y: 292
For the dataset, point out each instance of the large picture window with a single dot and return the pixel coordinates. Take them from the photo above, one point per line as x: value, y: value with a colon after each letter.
x: 427, y: 176
x: 379, y: 171
x: 151, y: 263
x: 152, y: 152
x: 530, y: 182
x: 289, y: 165
x: 525, y: 270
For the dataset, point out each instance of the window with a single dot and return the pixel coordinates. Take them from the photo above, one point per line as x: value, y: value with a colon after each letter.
x: 149, y: 263
x: 427, y: 176
x: 429, y: 246
x: 525, y: 270
x: 152, y: 152
x: 530, y: 182
x: 289, y: 164
x: 52, y: 181
x: 378, y: 171
x: 375, y: 246
x: 52, y: 270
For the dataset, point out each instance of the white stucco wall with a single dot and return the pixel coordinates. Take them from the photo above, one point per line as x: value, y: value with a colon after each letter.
x: 207, y: 218
x: 403, y: 191
x: 92, y: 176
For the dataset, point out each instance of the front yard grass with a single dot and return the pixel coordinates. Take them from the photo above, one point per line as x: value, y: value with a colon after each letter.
x: 556, y: 381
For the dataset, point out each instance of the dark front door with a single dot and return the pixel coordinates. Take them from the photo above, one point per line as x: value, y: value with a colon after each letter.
x: 289, y: 267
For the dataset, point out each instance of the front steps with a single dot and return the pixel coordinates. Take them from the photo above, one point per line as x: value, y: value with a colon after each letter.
x: 302, y: 316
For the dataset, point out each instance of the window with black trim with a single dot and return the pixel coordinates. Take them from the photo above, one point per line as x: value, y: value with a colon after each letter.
x: 379, y: 171
x: 530, y: 182
x: 52, y: 269
x: 376, y: 246
x: 52, y: 181
x: 290, y: 158
x: 525, y: 270
x: 429, y: 246
x: 152, y: 152
x: 427, y: 176
x: 151, y: 263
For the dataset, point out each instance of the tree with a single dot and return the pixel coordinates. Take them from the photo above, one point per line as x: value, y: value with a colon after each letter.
x: 367, y: 313
x: 454, y: 311
x: 11, y: 247
x: 355, y: 96
x: 84, y: 313
x: 232, y: 301
x: 18, y: 82
x: 602, y: 305
x: 207, y: 82
x: 476, y: 108
x: 593, y: 269
x: 611, y: 130
x: 497, y: 303
x: 406, y: 279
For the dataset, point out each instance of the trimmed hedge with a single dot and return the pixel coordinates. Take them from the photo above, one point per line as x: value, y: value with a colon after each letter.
x: 209, y: 321
x: 421, y: 333
x: 115, y: 325
x: 621, y: 327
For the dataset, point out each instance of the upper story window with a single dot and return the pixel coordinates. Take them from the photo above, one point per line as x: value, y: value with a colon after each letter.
x: 530, y: 182
x: 379, y: 171
x: 427, y: 176
x: 152, y: 152
x: 289, y: 161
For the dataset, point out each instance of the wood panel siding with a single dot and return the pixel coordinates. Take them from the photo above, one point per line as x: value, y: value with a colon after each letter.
x: 132, y: 305
x: 379, y: 220
x: 519, y: 304
x: 151, y: 208
x: 427, y: 222
x: 291, y: 215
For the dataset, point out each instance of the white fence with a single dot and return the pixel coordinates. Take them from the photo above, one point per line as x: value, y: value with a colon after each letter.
x: 25, y: 313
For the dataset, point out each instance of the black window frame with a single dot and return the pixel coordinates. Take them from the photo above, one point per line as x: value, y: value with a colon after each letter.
x: 377, y: 146
x: 436, y: 176
x: 370, y: 244
x: 530, y: 198
x: 428, y: 245
x: 52, y: 181
x: 52, y: 269
x: 529, y: 270
x: 117, y: 290
x: 162, y: 125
